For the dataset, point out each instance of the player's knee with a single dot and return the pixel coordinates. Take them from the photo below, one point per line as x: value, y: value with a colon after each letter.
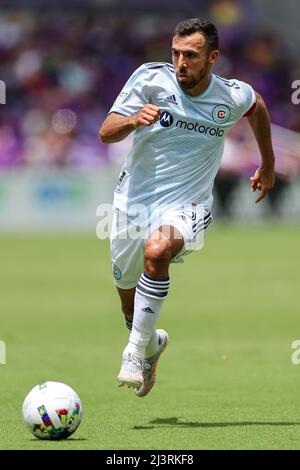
x: 158, y: 251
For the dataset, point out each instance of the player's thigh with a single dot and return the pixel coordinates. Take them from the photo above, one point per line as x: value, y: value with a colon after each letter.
x: 191, y: 222
x: 127, y: 255
x: 164, y: 243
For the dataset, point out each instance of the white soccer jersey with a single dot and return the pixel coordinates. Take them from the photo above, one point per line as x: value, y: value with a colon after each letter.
x: 175, y: 161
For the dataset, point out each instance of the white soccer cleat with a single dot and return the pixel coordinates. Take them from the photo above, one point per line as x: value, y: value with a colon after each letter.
x: 131, y: 373
x: 150, y: 366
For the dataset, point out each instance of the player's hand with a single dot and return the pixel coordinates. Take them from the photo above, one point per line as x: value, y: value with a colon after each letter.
x: 263, y: 180
x: 148, y: 115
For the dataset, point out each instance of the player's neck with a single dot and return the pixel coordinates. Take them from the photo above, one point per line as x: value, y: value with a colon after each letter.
x: 201, y: 87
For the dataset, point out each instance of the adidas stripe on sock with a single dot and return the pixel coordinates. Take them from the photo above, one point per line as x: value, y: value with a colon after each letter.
x: 149, y: 296
x: 157, y: 288
x: 128, y: 323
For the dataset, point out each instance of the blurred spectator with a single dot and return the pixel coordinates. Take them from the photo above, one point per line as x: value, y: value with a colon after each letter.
x: 63, y: 71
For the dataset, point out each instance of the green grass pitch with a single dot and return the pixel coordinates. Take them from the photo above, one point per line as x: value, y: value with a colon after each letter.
x: 225, y: 381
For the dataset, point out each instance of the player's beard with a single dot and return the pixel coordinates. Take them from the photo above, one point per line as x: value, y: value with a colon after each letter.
x: 193, y: 82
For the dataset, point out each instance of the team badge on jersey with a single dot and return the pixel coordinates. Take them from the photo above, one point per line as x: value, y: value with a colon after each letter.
x: 166, y: 119
x: 116, y: 271
x: 221, y: 114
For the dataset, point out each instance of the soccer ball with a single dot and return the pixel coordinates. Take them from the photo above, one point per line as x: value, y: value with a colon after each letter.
x: 52, y: 410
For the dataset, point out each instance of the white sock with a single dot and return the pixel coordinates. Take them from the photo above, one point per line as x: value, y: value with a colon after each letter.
x: 149, y: 296
x: 153, y: 345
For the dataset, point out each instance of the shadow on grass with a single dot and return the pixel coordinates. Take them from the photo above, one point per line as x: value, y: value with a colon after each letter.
x: 168, y: 422
x: 70, y: 439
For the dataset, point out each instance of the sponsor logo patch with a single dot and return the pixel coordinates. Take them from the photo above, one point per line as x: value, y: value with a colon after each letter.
x: 166, y: 119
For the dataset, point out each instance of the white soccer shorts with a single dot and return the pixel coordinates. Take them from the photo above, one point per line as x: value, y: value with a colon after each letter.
x: 128, y: 238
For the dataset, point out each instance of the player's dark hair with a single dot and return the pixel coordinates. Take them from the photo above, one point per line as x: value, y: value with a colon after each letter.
x: 196, y: 25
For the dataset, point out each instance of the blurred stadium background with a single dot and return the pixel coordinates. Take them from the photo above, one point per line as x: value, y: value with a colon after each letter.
x: 63, y: 68
x: 63, y: 65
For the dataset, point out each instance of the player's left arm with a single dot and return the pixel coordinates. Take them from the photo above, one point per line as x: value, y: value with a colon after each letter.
x: 264, y: 177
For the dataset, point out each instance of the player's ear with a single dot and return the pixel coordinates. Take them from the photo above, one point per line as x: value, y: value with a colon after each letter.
x: 213, y: 56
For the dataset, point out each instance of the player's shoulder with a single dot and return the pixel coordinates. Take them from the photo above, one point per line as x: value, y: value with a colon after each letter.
x: 236, y: 90
x: 151, y: 69
x: 231, y: 83
x: 162, y: 66
x: 152, y: 73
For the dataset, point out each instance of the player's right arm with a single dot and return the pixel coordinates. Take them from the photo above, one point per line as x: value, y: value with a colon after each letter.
x: 117, y: 127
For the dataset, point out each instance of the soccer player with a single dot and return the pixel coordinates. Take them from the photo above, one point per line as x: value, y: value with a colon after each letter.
x: 180, y: 115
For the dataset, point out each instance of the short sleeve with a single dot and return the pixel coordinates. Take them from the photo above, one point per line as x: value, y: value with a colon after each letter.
x: 249, y: 104
x: 133, y: 96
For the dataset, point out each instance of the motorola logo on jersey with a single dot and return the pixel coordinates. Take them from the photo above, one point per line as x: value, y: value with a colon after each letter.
x: 166, y: 119
x: 190, y: 126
